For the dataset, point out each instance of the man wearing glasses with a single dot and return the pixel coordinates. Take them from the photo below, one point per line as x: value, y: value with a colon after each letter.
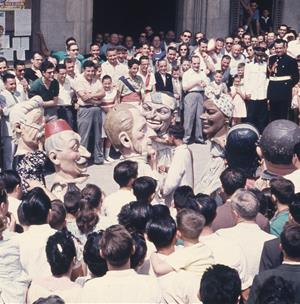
x: 48, y: 88
x: 22, y: 84
x: 228, y: 45
x: 73, y: 51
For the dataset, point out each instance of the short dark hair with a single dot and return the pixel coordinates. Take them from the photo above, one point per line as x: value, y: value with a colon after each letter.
x: 68, y: 60
x: 279, y: 41
x: 106, y: 77
x: 177, y: 131
x: 190, y: 223
x: 49, y: 300
x: 86, y: 219
x: 88, y: 64
x: 140, y: 250
x: 3, y: 59
x: 131, y: 62
x: 7, y: 76
x: 161, y: 232
x: 60, y: 251
x: 181, y: 195
x: 70, y: 39
x: 160, y: 211
x: 135, y: 215
x: 46, y: 65
x: 60, y: 66
x: 207, y: 207
x: 36, y: 206
x: 91, y: 254
x: 11, y: 180
x: 92, y: 194
x: 71, y: 199
x: 143, y: 58
x: 58, y: 214
x: 116, y: 245
x: 226, y: 57
x: 297, y: 149
x: 220, y: 284
x: 143, y: 188
x: 276, y: 290
x: 232, y: 179
x: 290, y: 240
x: 283, y: 190
x: 171, y: 48
x: 125, y: 171
x: 203, y: 40
x: 18, y: 62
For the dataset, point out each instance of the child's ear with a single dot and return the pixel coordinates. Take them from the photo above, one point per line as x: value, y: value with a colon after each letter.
x: 178, y: 234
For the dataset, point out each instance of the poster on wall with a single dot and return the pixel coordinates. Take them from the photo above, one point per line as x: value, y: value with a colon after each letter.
x: 23, y: 22
x: 12, y: 4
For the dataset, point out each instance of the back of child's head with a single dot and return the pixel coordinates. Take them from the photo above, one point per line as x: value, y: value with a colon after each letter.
x: 190, y: 223
x: 134, y: 216
x: 91, y: 254
x: 11, y: 180
x: 58, y: 215
x: 160, y: 211
x: 161, y: 232
x: 125, y: 172
x: 140, y: 250
x: 181, y: 196
x: 207, y: 206
x: 144, y: 188
x: 71, y: 200
x: 232, y: 180
x: 177, y: 131
x: 93, y: 195
x: 266, y: 204
x: 86, y: 219
x: 283, y: 190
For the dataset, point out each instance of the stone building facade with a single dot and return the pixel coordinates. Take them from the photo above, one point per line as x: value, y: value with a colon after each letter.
x: 59, y: 19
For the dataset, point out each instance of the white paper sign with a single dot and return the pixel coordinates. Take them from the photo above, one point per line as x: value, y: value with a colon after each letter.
x: 24, y: 45
x: 2, y: 21
x: 21, y: 54
x: 23, y: 22
x: 4, y: 42
x: 8, y: 54
x: 16, y: 42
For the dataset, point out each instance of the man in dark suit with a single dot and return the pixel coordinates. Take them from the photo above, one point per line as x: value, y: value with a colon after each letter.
x: 289, y: 270
x: 283, y: 75
x: 271, y: 256
x: 162, y: 78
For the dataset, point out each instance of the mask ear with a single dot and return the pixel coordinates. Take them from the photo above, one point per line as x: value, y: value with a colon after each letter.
x: 259, y: 152
x: 53, y: 157
x: 125, y: 140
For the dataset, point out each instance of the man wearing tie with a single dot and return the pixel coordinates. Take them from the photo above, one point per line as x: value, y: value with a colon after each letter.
x: 283, y: 75
x: 7, y: 101
x: 162, y: 78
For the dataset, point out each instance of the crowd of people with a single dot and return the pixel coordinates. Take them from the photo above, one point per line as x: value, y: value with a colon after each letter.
x: 137, y: 106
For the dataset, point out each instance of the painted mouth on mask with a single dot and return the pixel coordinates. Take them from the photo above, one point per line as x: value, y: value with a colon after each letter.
x: 82, y: 163
x: 154, y: 124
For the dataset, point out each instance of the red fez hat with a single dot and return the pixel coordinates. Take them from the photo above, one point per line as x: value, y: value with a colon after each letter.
x: 56, y: 126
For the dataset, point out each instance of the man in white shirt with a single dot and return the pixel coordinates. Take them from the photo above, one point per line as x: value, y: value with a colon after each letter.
x: 112, y: 67
x: 65, y: 108
x: 246, y: 233
x: 147, y: 76
x: 194, y: 82
x: 180, y: 172
x: 124, y: 175
x: 256, y: 84
x: 236, y: 58
x: 7, y: 100
x: 32, y: 243
x: 120, y: 283
x: 294, y: 47
x: 22, y: 84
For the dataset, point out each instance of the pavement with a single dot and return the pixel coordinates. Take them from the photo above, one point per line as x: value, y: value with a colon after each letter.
x: 102, y: 175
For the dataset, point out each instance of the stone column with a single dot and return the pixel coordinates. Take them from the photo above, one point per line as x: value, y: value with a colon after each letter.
x: 291, y: 14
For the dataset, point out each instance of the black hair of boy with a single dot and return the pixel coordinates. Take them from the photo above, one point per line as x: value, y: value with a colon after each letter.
x: 220, y: 284
x: 116, y: 246
x: 177, y: 131
x: 92, y: 194
x: 91, y: 254
x: 140, y: 250
x: 11, y: 180
x: 161, y: 232
x: 231, y: 180
x: 71, y: 201
x: 283, y: 190
x: 58, y: 215
x: 181, y: 196
x: 143, y: 188
x: 207, y: 206
x: 160, y: 211
x: 124, y: 172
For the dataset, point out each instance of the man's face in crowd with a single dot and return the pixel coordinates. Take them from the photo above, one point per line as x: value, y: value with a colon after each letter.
x: 228, y: 44
x: 70, y: 66
x: 95, y: 51
x: 171, y: 55
x: 236, y: 50
x: 10, y: 85
x: 186, y: 37
x: 170, y: 36
x: 260, y: 38
x: 271, y: 37
x: 196, y: 64
x: 49, y: 74
x: 225, y: 64
x: 121, y: 55
x: 162, y: 67
x: 156, y: 42
x: 107, y: 84
x: 145, y: 50
x: 213, y: 119
x: 133, y: 70
x: 250, y: 51
x: 158, y: 116
x: 247, y: 39
x: 254, y: 41
x: 198, y: 36
x: 240, y: 32
x: 89, y: 73
x: 112, y: 57
x: 279, y: 49
x: 73, y: 51
x: 20, y: 71
x: 114, y: 39
x: 218, y: 78
x: 282, y: 31
x: 144, y: 65
x: 129, y: 42
x: 203, y: 47
x: 185, y: 65
x: 219, y: 46
x: 37, y: 61
x: 61, y: 75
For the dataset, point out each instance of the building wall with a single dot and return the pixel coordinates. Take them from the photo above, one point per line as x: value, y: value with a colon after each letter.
x: 291, y: 14
x: 60, y: 19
